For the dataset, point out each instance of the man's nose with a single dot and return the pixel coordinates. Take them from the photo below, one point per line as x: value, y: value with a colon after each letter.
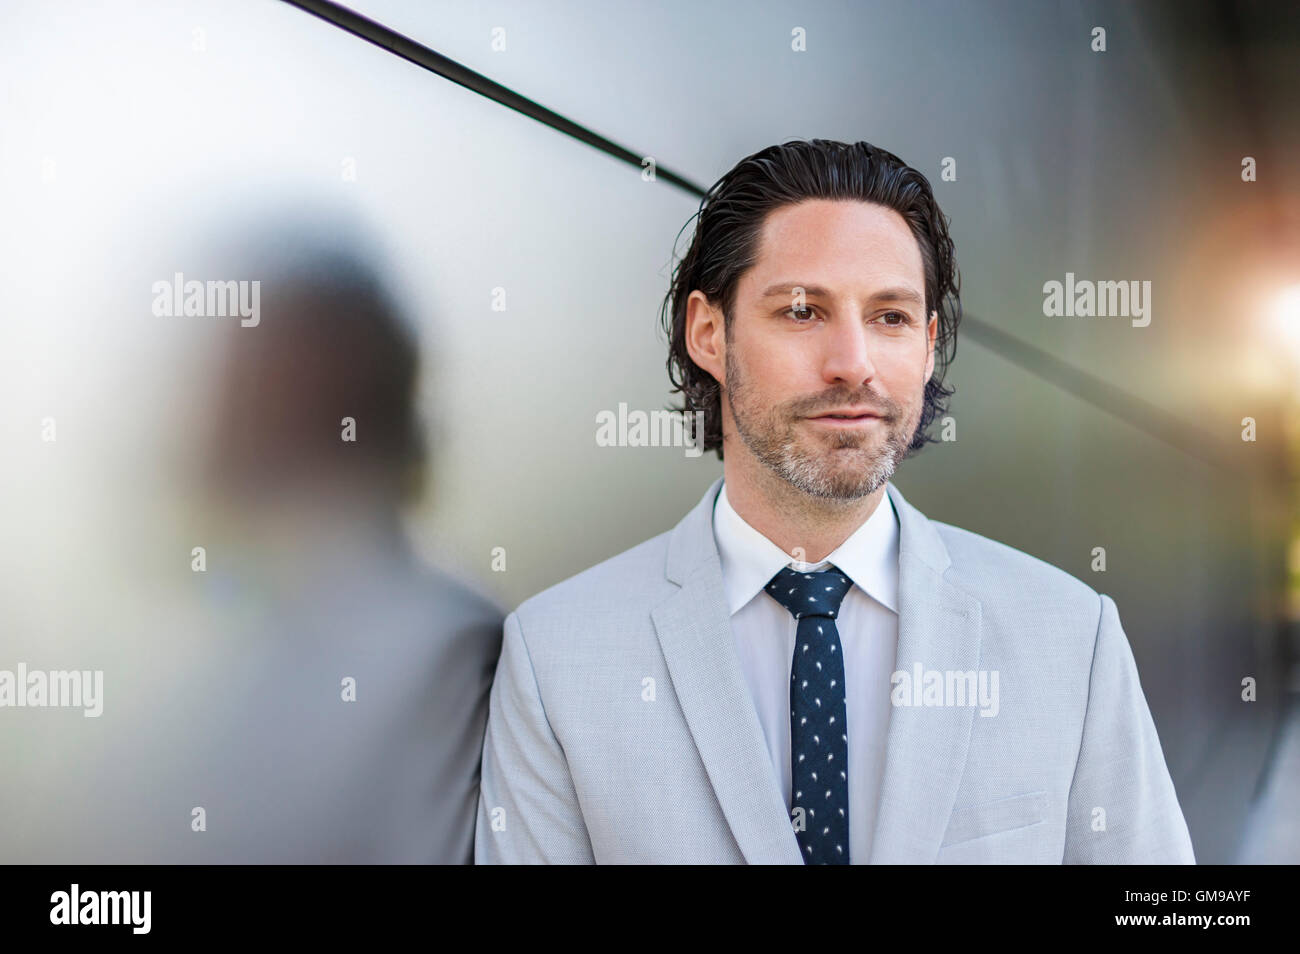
x: 847, y: 357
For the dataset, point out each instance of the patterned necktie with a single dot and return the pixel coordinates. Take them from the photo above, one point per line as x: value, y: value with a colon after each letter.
x: 819, y: 740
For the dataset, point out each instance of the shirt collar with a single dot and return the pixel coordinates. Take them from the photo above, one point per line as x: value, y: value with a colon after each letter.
x: 869, y: 557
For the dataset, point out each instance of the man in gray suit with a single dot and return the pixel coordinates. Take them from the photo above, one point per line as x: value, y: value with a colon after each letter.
x: 806, y: 669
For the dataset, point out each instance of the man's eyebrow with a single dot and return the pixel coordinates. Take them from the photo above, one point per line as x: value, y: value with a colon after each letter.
x: 900, y: 293
x: 787, y: 289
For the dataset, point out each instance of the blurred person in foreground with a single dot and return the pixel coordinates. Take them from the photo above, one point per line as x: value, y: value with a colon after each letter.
x: 320, y: 696
x: 808, y: 670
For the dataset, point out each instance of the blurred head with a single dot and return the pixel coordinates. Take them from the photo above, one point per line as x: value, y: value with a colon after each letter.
x: 815, y: 314
x: 319, y: 397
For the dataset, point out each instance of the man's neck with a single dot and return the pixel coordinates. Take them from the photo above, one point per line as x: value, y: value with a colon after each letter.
x: 806, y: 527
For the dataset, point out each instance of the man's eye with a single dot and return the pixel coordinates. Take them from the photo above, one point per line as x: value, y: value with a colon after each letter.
x: 800, y: 315
x: 902, y: 318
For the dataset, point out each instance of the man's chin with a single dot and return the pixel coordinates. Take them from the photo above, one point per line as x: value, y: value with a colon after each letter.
x: 841, y: 474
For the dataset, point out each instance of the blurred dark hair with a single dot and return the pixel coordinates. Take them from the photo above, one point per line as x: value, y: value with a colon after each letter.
x: 725, y: 246
x: 333, y: 343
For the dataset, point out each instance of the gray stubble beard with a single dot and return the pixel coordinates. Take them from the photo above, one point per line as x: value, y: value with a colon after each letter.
x: 772, y: 439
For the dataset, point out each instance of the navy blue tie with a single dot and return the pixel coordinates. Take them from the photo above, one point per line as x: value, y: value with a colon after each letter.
x: 819, y: 732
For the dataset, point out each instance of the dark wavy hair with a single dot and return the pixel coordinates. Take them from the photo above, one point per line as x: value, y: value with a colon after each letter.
x: 725, y: 246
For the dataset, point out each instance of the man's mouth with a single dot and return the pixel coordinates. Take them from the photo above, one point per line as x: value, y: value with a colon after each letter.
x: 846, y: 417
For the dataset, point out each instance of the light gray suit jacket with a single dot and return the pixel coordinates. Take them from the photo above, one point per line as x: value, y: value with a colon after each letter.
x: 621, y: 728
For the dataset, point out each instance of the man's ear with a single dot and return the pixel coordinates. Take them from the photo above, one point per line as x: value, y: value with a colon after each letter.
x: 706, y: 335
x: 931, y: 334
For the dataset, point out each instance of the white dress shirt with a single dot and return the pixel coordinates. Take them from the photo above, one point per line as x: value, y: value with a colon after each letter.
x: 764, y: 631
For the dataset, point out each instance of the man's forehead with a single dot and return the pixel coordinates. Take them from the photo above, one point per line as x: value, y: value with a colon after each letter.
x: 835, y: 246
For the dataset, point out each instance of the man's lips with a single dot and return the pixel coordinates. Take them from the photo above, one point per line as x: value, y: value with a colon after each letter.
x: 850, y: 417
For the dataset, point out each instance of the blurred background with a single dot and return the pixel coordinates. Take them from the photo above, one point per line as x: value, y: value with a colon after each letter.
x: 519, y: 273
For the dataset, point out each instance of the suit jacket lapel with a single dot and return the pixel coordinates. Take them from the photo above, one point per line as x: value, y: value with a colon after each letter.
x: 925, y: 754
x: 694, y: 630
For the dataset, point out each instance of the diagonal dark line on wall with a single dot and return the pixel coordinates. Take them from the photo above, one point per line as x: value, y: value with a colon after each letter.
x: 1086, y: 387
x: 1091, y: 389
x: 435, y: 62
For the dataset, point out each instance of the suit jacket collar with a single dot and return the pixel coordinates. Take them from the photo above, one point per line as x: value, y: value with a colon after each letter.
x: 692, y: 539
x: 869, y: 557
x: 938, y: 628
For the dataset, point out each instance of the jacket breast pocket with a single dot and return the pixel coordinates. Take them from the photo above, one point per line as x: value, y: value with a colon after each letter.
x: 991, y: 818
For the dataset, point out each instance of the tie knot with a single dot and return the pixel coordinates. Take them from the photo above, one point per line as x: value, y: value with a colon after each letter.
x: 810, y: 594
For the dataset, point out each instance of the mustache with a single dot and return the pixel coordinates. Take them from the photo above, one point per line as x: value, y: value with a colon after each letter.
x: 821, y: 403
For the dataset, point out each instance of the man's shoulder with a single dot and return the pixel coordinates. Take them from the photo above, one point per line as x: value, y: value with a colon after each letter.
x: 990, y: 569
x: 628, y: 582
